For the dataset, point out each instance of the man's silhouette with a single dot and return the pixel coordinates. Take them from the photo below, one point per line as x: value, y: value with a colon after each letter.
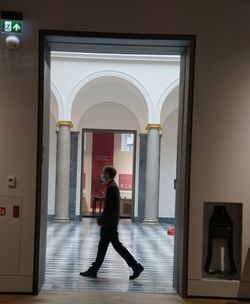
x: 108, y: 221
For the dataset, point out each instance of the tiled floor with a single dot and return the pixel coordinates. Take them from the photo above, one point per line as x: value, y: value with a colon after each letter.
x: 72, y: 247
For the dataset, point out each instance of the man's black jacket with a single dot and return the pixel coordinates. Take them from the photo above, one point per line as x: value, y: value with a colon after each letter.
x: 111, y: 211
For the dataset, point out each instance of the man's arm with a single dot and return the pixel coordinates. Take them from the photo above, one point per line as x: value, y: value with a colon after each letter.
x: 108, y: 207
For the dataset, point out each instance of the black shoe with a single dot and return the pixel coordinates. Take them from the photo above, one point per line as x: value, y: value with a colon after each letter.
x: 89, y: 273
x: 137, y: 271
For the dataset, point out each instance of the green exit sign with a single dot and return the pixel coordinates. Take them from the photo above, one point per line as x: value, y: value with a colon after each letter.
x: 12, y: 26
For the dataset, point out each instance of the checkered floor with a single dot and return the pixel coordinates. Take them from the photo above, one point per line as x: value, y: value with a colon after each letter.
x: 72, y: 247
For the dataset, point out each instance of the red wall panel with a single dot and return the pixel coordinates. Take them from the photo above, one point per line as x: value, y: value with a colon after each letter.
x: 102, y: 154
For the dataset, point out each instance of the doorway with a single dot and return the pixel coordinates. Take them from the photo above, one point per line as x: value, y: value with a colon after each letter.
x: 156, y: 44
x: 101, y: 148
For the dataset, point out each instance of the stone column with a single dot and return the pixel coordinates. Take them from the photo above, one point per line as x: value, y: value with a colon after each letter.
x: 63, y: 171
x: 152, y: 174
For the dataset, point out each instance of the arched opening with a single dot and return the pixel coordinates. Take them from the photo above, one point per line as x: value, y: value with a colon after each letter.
x: 109, y: 88
x: 122, y: 127
x: 110, y: 103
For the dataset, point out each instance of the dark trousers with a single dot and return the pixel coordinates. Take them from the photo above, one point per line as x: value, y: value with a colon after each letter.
x: 110, y: 235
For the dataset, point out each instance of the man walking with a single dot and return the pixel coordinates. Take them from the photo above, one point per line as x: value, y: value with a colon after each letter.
x: 109, y: 223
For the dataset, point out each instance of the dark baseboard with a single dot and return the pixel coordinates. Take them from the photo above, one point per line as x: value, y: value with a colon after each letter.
x: 166, y: 220
x: 162, y: 220
x: 138, y: 220
x: 50, y: 217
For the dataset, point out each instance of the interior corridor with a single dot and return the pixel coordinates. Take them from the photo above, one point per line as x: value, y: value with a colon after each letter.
x: 72, y: 247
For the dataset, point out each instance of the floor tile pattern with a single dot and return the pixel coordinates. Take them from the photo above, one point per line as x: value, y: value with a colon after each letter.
x: 71, y: 248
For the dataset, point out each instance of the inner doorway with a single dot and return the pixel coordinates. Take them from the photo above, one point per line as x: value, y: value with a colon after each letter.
x: 101, y: 148
x: 182, y: 45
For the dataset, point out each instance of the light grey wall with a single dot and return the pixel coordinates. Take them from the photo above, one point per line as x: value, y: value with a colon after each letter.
x: 220, y: 137
x: 168, y: 166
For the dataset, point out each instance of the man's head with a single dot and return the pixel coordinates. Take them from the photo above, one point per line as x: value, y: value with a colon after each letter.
x: 109, y: 172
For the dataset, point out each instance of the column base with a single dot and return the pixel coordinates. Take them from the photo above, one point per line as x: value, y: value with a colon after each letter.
x: 62, y: 219
x: 151, y: 222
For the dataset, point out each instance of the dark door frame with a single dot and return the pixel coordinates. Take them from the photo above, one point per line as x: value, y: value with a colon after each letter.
x: 183, y: 45
x: 114, y: 131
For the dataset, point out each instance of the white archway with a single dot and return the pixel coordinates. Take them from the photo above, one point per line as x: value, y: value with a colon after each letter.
x: 99, y: 117
x: 164, y: 98
x: 170, y: 104
x: 57, y: 107
x: 110, y: 86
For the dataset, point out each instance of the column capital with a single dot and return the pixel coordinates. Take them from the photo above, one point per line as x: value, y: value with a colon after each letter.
x: 153, y: 126
x: 65, y: 123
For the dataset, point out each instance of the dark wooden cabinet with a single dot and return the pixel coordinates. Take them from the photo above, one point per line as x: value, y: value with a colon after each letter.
x: 126, y: 207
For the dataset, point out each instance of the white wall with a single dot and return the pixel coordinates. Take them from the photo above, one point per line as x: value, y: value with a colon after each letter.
x: 168, y: 166
x: 105, y: 77
x: 123, y: 162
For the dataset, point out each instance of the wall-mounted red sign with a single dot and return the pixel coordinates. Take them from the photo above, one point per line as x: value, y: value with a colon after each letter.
x: 125, y: 181
x: 2, y: 211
